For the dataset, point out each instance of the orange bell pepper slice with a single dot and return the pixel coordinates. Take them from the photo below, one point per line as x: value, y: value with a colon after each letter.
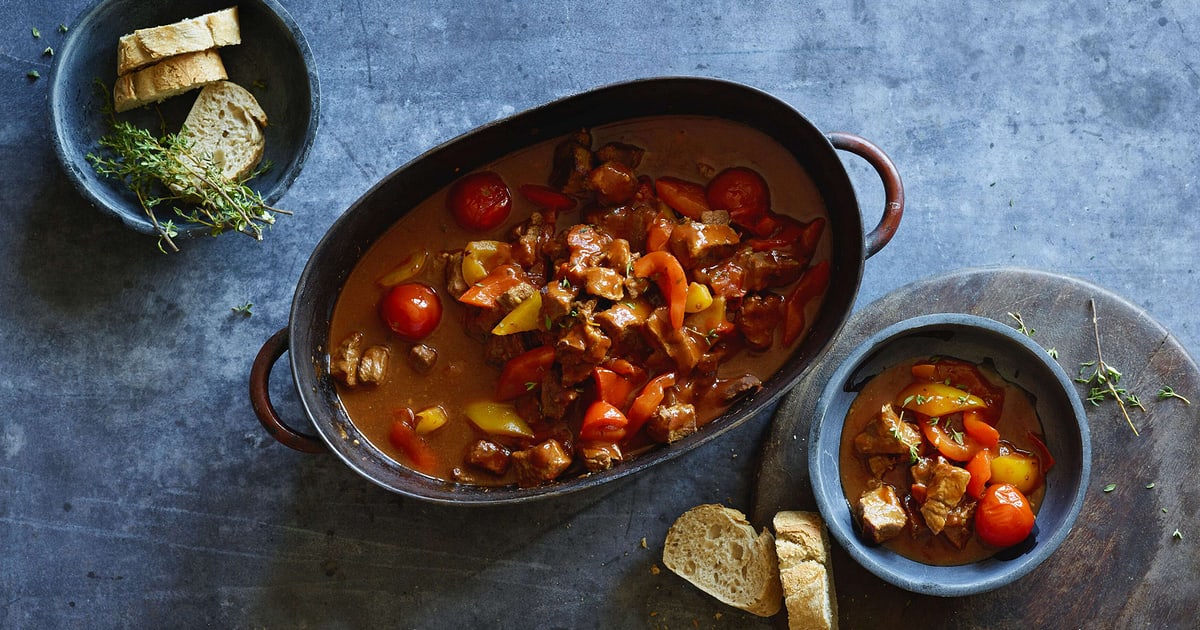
x: 671, y: 280
x: 978, y: 428
x: 647, y: 401
x: 980, y: 468
x: 810, y: 286
x: 603, y: 422
x: 524, y: 372
x: 485, y: 292
x: 686, y: 198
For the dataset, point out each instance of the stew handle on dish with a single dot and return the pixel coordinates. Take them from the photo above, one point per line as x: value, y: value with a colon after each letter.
x: 260, y: 398
x: 893, y: 188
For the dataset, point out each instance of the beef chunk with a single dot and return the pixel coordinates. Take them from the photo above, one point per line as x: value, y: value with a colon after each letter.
x: 630, y: 222
x: 887, y: 434
x: 572, y: 163
x: 759, y: 317
x: 684, y: 348
x: 456, y: 285
x: 489, y: 456
x: 580, y: 348
x: 540, y: 464
x: 880, y: 513
x: 613, y: 183
x: 556, y: 399
x: 600, y: 456
x: 557, y: 298
x: 946, y: 488
x: 698, y: 244
x: 422, y: 358
x: 627, y: 154
x: 585, y: 246
x: 372, y: 369
x: 513, y: 297
x: 671, y: 423
x: 958, y: 529
x: 530, y: 244
x: 498, y: 349
x: 343, y: 363
x: 604, y: 282
x: 768, y: 269
x: 726, y: 390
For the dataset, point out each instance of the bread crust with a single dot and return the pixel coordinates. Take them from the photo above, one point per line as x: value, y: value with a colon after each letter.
x: 149, y: 45
x: 168, y: 78
x: 802, y: 547
x: 716, y: 549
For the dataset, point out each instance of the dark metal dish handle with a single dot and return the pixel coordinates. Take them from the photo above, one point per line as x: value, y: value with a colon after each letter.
x: 893, y: 188
x: 260, y: 398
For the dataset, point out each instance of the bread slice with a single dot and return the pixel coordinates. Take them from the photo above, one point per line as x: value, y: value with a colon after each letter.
x: 171, y: 76
x: 149, y: 45
x: 716, y: 549
x: 225, y: 123
x: 802, y: 548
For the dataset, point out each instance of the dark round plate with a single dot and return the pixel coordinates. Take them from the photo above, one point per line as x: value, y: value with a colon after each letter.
x: 273, y: 62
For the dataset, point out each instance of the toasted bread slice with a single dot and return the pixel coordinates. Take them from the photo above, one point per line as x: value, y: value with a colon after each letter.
x: 802, y: 547
x: 150, y: 45
x: 716, y: 549
x: 225, y: 123
x: 171, y: 76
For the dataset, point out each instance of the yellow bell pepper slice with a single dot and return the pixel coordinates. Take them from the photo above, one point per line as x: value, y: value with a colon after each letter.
x: 1018, y: 469
x: 480, y: 257
x: 496, y: 418
x: 405, y: 270
x: 698, y: 298
x: 527, y: 316
x: 937, y: 399
x: 430, y: 420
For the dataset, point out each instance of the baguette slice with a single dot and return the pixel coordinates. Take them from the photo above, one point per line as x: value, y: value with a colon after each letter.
x: 802, y: 546
x: 167, y: 78
x: 716, y: 549
x: 226, y: 124
x: 149, y: 45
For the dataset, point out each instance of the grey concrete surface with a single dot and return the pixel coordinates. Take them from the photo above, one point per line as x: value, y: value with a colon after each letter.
x: 138, y: 490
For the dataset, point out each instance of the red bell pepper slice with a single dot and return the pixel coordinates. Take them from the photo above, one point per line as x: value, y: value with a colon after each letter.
x: 978, y: 428
x: 658, y: 235
x: 686, y: 198
x: 980, y: 468
x: 810, y: 286
x: 547, y: 198
x: 647, y: 401
x: 405, y: 438
x: 669, y: 276
x: 603, y: 422
x: 611, y: 387
x: 485, y: 292
x: 524, y: 372
x: 941, y: 439
x: 1043, y: 453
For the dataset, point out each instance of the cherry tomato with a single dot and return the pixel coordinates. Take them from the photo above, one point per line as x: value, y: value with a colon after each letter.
x: 412, y: 310
x: 480, y: 201
x: 741, y: 191
x: 1003, y: 517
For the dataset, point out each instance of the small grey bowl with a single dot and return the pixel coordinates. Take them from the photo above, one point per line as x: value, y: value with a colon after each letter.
x: 273, y: 61
x: 1018, y: 360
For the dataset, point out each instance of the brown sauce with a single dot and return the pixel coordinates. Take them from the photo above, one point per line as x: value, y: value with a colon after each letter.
x: 685, y: 147
x: 1018, y: 420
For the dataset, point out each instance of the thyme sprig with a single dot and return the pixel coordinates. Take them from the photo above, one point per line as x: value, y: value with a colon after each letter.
x: 1167, y: 392
x: 1104, y: 379
x: 169, y: 171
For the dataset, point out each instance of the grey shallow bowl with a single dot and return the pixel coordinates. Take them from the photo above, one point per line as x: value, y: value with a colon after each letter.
x: 1018, y: 360
x: 273, y: 62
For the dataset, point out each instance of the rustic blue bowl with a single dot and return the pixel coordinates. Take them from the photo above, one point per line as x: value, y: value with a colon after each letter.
x: 1020, y: 361
x: 273, y: 62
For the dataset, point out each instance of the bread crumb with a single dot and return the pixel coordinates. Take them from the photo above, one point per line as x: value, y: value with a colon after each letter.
x: 717, y: 616
x: 644, y: 543
x: 654, y: 570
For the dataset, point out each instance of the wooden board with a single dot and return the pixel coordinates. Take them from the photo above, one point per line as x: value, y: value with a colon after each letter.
x: 1122, y: 565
